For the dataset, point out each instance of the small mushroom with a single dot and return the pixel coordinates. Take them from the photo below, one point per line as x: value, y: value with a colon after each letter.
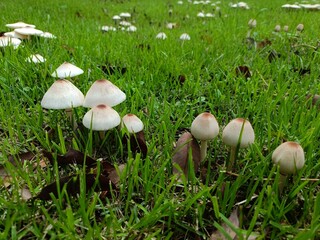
x: 204, y: 128
x: 290, y: 158
x: 67, y: 70
x: 237, y: 133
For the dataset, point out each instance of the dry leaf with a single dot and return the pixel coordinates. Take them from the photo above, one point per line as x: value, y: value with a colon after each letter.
x: 137, y: 143
x: 181, y: 156
x: 234, y: 219
x: 25, y: 194
x: 114, y: 176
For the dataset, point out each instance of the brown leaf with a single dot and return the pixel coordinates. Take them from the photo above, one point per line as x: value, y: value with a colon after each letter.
x: 72, y: 185
x: 234, y: 219
x: 315, y: 99
x: 185, y: 144
x: 114, y: 176
x: 27, y: 156
x: 71, y: 157
x: 243, y: 71
x: 137, y: 143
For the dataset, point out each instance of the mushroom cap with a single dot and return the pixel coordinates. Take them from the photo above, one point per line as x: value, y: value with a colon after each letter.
x: 62, y: 95
x: 9, y: 41
x: 101, y: 118
x: 185, y: 36
x: 289, y: 156
x: 28, y: 31
x: 103, y: 92
x: 67, y: 70
x: 14, y: 34
x: 161, y: 35
x: 132, y: 123
x: 205, y: 126
x: 47, y: 35
x: 231, y: 133
x: 36, y: 58
x: 19, y: 25
x: 125, y: 15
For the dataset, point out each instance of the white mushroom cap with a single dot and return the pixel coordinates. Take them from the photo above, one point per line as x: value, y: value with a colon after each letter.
x: 185, y: 36
x: 103, y: 92
x: 108, y: 28
x: 116, y: 17
x: 19, y: 25
x: 62, y: 95
x: 47, y: 35
x: 101, y: 118
x: 14, y: 34
x: 231, y: 133
x: 289, y: 156
x: 8, y: 41
x: 161, y: 35
x: 36, y: 58
x: 67, y: 70
x: 205, y: 126
x: 252, y: 23
x: 132, y: 123
x: 28, y: 31
x: 125, y: 15
x: 132, y: 28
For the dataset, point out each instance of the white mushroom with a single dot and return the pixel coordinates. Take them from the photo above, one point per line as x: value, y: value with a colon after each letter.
x: 204, y: 128
x: 67, y: 70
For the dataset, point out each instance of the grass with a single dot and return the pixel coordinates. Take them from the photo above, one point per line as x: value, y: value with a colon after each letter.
x: 148, y: 204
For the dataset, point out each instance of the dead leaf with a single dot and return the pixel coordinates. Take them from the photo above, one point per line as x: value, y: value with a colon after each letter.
x: 243, y: 71
x: 234, y: 219
x: 185, y: 144
x: 25, y: 194
x: 71, y: 157
x: 72, y: 185
x: 137, y: 143
x: 114, y: 176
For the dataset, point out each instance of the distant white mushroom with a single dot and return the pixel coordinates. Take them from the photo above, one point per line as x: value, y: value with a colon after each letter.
x: 131, y: 28
x: 36, y: 58
x: 108, y: 29
x: 27, y: 31
x: 19, y: 25
x: 8, y: 41
x: 161, y: 35
x: 14, y: 34
x: 184, y: 37
x: 47, y: 35
x: 201, y: 15
x: 132, y: 123
x: 67, y: 70
x: 125, y: 15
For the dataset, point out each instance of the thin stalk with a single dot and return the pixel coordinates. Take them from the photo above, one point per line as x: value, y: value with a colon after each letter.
x: 232, y: 158
x: 203, y: 149
x: 71, y: 118
x: 282, y: 182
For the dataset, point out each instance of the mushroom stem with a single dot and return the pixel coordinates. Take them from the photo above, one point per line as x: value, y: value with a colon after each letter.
x: 102, y: 134
x: 203, y: 149
x: 71, y: 118
x: 232, y: 158
x: 282, y: 182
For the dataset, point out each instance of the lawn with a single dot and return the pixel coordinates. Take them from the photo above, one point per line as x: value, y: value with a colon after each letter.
x: 59, y: 179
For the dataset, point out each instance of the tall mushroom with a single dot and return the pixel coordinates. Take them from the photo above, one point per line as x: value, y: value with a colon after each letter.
x: 62, y: 95
x: 204, y: 128
x: 290, y: 158
x: 103, y: 92
x: 237, y: 133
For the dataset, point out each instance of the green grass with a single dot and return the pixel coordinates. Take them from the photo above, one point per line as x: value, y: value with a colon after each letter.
x: 148, y: 203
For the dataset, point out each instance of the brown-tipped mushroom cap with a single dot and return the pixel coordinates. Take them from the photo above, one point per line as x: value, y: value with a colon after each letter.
x: 289, y: 156
x: 101, y: 118
x: 132, y: 123
x: 103, y: 92
x: 62, y: 95
x: 205, y: 126
x: 67, y: 70
x: 231, y: 133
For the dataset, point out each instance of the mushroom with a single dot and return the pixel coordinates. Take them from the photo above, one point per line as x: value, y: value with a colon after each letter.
x: 8, y: 41
x: 204, y: 127
x: 237, y: 134
x: 290, y: 158
x: 63, y: 95
x: 67, y: 70
x: 135, y: 135
x: 184, y: 37
x: 161, y: 35
x: 19, y: 25
x: 28, y: 31
x: 35, y: 58
x: 103, y: 92
x: 101, y: 118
